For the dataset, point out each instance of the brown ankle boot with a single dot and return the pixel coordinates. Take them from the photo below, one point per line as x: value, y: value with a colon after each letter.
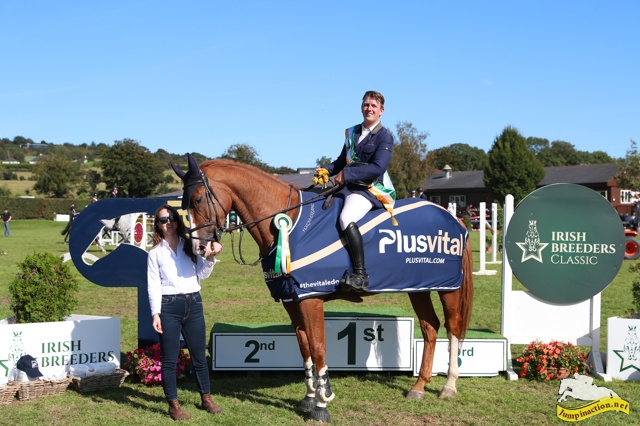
x: 175, y: 411
x: 209, y: 405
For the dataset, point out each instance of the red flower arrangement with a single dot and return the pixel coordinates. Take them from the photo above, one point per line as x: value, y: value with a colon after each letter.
x: 543, y: 361
x: 147, y: 364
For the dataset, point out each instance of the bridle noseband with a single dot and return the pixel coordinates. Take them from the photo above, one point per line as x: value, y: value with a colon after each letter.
x: 211, y: 198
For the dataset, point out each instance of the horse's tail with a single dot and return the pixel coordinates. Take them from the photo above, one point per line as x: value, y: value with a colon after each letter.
x: 466, y: 290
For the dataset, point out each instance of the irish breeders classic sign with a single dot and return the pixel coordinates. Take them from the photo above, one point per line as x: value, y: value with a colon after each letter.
x: 565, y: 243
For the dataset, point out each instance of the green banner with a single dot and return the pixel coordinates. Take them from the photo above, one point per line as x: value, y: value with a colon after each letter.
x: 565, y: 243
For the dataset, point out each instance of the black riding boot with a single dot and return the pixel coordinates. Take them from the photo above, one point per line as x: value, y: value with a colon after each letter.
x: 359, y: 280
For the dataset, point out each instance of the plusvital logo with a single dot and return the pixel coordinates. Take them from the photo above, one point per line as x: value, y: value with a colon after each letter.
x: 532, y: 247
x: 581, y: 387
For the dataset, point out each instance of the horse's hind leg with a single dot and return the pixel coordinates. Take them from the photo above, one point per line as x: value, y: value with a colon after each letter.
x: 453, y: 324
x: 429, y: 324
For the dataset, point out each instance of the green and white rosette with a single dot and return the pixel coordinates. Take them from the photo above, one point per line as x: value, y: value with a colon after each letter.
x: 283, y: 224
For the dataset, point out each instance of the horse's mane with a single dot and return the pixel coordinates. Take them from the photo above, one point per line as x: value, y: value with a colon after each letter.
x: 246, y: 171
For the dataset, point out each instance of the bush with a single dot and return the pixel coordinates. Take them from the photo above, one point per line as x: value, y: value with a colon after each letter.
x: 44, y: 289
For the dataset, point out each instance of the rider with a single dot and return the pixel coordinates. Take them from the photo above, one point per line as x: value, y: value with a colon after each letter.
x: 369, y: 146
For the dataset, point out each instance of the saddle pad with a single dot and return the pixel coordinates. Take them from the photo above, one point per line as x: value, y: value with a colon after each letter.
x: 422, y: 253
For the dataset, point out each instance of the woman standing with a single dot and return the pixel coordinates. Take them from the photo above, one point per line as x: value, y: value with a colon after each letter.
x: 173, y: 274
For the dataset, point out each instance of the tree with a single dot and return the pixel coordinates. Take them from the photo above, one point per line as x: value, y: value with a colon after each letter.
x: 512, y: 167
x: 242, y: 153
x: 132, y: 168
x: 409, y: 167
x: 628, y: 176
x: 537, y: 144
x: 459, y: 156
x: 596, y: 157
x: 323, y: 161
x: 56, y: 176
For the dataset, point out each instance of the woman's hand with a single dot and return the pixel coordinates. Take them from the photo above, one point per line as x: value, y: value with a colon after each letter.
x: 157, y: 324
x: 212, y: 249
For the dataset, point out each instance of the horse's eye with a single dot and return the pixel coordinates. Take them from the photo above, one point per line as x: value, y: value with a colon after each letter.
x: 198, y: 199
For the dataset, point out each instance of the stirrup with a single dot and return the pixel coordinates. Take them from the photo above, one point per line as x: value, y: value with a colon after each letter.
x: 357, y: 282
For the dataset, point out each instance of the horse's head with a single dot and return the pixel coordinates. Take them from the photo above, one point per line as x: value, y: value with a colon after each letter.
x: 207, y: 206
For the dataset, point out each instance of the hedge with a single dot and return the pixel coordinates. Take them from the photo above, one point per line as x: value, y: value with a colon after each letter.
x: 40, y: 208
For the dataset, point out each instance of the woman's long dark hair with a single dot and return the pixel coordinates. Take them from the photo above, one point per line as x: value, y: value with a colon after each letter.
x: 158, y: 235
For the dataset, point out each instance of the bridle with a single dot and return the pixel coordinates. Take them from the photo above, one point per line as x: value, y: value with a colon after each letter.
x: 212, y: 206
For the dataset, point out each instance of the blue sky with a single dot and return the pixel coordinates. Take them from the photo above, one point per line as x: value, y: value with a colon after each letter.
x: 287, y: 77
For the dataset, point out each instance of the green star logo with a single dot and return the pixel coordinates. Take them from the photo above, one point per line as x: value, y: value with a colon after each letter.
x: 631, y: 363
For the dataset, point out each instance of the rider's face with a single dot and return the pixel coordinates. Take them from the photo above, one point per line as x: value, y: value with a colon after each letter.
x: 371, y: 111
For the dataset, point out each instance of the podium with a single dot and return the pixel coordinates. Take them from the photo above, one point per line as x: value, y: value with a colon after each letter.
x: 378, y: 339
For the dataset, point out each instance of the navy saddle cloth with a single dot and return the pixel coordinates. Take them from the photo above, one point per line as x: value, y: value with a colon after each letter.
x: 423, y: 253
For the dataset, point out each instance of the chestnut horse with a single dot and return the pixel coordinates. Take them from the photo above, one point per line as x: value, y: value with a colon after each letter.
x: 215, y: 187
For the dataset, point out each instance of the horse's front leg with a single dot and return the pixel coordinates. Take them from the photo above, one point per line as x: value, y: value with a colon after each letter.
x: 308, y: 403
x: 310, y: 314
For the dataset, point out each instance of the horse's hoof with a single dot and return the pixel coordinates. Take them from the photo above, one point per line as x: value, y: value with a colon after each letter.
x: 307, y: 404
x: 320, y: 414
x: 448, y: 393
x: 415, y: 395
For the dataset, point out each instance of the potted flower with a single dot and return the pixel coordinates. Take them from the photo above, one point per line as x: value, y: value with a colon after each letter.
x: 554, y: 360
x: 146, y: 364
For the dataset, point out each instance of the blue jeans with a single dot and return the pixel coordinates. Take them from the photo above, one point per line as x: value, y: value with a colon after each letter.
x: 183, y: 313
x: 7, y: 231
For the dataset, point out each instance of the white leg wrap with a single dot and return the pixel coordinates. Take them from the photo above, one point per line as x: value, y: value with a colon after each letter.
x: 309, y: 378
x: 454, y: 371
x: 324, y: 393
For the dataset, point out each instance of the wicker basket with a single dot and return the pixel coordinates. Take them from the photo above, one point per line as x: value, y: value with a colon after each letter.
x: 99, y: 382
x: 8, y: 393
x: 40, y: 388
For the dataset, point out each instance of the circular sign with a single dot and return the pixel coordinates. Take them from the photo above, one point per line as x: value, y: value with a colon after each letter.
x: 565, y: 243
x: 137, y: 233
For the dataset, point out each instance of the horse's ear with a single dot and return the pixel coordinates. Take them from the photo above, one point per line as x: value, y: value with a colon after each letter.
x: 193, y: 164
x: 176, y: 169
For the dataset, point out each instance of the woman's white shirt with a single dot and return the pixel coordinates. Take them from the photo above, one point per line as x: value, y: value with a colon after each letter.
x: 170, y: 272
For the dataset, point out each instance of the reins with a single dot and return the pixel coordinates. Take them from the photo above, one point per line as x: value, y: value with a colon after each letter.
x: 220, y: 228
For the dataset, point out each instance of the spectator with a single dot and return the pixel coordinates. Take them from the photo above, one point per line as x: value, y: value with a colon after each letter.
x: 67, y: 230
x: 421, y: 194
x: 636, y: 211
x: 6, y: 218
x: 114, y: 192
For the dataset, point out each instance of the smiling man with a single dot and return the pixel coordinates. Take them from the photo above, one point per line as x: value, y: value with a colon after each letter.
x: 362, y: 167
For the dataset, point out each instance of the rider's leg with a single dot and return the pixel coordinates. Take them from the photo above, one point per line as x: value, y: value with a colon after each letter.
x: 354, y: 209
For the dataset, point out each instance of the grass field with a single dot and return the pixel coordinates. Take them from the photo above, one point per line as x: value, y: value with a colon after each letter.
x: 237, y: 293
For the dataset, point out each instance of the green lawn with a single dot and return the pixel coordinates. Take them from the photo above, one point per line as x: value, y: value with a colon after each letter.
x: 237, y: 293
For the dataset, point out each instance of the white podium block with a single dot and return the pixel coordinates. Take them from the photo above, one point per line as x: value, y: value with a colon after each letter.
x: 623, y: 348
x: 485, y: 357
x: 355, y: 342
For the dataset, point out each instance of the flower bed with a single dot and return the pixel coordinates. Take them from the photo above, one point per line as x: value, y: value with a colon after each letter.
x: 544, y: 361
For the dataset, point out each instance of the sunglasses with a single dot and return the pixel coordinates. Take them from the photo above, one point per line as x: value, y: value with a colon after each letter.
x: 166, y: 219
